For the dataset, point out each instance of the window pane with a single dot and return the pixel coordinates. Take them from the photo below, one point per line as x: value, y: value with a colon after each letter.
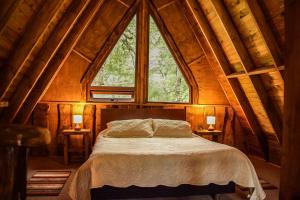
x: 166, y: 82
x: 112, y: 96
x: 119, y: 67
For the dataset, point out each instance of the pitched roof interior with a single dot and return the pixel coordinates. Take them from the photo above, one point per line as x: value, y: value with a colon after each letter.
x: 233, y: 50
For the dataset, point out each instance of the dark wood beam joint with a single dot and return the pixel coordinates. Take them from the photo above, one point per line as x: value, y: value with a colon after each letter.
x: 82, y: 56
x: 166, y: 5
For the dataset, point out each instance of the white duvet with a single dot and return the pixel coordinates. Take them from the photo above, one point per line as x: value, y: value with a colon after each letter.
x: 148, y: 162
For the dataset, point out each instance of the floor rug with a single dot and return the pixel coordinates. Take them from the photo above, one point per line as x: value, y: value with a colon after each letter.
x: 47, y: 182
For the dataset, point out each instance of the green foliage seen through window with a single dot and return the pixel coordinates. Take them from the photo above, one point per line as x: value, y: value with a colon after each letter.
x: 119, y: 67
x: 165, y: 82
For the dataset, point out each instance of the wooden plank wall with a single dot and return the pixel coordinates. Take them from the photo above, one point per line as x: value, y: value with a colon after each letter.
x: 233, y: 133
x: 246, y: 36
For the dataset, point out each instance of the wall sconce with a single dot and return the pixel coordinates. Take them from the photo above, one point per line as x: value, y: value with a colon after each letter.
x: 211, y: 121
x: 77, y: 120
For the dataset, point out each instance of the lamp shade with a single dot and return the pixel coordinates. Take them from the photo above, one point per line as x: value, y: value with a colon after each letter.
x: 77, y: 119
x: 211, y: 120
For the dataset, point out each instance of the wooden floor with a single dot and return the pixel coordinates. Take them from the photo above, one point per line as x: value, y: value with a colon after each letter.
x: 266, y: 171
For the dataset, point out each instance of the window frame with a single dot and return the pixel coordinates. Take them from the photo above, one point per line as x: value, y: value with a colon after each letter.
x: 112, y: 90
x: 115, y: 89
x: 151, y: 15
x: 143, y: 12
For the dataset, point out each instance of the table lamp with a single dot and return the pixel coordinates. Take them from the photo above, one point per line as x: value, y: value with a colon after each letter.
x: 77, y: 120
x: 211, y: 121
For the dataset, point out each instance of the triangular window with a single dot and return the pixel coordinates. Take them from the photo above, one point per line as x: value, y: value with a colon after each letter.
x: 117, y: 80
x: 118, y: 70
x: 165, y: 82
x: 119, y: 67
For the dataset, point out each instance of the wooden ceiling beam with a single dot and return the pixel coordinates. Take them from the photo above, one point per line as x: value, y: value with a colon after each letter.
x: 176, y: 53
x: 266, y: 32
x: 8, y: 14
x: 232, y: 34
x: 25, y: 46
x: 258, y: 71
x: 109, y: 45
x: 221, y: 67
x: 247, y: 65
x: 43, y: 58
x: 57, y: 61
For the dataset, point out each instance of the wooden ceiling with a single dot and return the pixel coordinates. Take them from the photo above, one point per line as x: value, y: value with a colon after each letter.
x: 237, y: 42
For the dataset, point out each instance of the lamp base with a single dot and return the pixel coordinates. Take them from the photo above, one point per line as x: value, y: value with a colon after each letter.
x: 211, y: 127
x: 77, y: 127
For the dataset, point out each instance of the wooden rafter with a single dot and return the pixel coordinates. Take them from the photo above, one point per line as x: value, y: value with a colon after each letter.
x: 22, y: 51
x: 8, y: 14
x: 43, y: 58
x: 57, y: 61
x: 221, y: 67
x: 266, y: 32
x: 248, y: 65
x: 109, y: 45
x: 176, y: 53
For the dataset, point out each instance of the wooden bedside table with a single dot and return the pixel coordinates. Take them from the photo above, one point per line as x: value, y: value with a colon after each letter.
x: 215, y: 134
x: 86, y: 137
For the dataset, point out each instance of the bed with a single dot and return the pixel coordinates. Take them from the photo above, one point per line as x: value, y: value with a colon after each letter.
x: 160, y: 166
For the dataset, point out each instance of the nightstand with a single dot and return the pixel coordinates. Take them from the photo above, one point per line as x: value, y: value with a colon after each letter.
x: 86, y: 138
x: 215, y: 134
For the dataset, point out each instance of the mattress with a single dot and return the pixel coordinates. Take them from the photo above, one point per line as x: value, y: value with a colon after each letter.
x: 149, y: 162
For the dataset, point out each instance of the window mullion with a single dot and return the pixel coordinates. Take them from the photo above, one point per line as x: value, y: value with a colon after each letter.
x: 142, y: 52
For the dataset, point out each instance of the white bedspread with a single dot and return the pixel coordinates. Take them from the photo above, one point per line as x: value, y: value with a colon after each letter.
x: 148, y: 162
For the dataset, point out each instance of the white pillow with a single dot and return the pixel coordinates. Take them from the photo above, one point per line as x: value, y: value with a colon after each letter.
x: 129, y: 128
x: 171, y: 128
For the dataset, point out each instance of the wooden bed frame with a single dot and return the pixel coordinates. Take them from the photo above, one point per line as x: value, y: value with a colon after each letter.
x: 108, y: 192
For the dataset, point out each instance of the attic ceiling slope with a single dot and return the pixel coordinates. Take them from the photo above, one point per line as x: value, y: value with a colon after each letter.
x: 57, y: 61
x: 219, y: 63
x: 239, y: 42
x: 34, y: 31
x: 43, y: 57
x: 259, y: 92
x: 6, y: 11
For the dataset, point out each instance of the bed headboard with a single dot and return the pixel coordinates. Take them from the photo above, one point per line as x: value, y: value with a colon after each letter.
x: 111, y: 114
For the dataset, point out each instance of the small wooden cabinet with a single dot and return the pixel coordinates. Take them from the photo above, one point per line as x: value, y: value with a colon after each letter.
x: 215, y: 134
x: 86, y: 140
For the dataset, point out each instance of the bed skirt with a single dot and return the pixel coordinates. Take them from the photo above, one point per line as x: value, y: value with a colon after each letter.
x: 109, y: 192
